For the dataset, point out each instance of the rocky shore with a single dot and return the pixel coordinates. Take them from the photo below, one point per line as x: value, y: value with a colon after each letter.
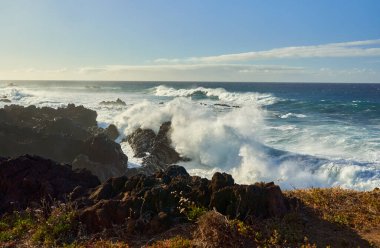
x: 65, y: 181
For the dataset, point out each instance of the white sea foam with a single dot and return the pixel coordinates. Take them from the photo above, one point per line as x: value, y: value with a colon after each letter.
x: 232, y: 142
x: 292, y: 115
x: 219, y: 93
x: 133, y: 162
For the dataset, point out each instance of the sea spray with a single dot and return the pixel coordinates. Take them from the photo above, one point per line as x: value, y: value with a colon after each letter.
x: 231, y: 141
x: 238, y: 128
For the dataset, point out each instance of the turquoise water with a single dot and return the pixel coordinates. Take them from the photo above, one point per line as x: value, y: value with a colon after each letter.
x: 299, y: 135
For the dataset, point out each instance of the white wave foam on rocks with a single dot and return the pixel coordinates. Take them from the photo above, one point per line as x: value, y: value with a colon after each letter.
x: 231, y: 142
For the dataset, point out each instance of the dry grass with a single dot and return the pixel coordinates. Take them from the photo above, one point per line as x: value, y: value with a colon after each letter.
x: 332, y: 217
x: 356, y: 209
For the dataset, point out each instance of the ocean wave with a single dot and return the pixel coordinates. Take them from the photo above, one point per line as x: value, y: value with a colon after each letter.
x: 292, y: 115
x: 14, y: 94
x: 232, y: 142
x: 217, y: 94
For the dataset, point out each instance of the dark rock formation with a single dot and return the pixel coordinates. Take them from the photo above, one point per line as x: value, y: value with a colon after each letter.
x: 155, y: 149
x: 152, y: 203
x: 5, y: 100
x: 112, y: 132
x: 117, y: 102
x: 27, y: 180
x: 143, y: 203
x: 65, y: 135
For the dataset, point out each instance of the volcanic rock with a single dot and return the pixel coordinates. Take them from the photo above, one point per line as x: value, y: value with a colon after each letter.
x: 112, y: 132
x: 155, y: 149
x: 27, y: 180
x: 5, y: 100
x: 151, y: 203
x: 67, y: 135
x: 117, y: 102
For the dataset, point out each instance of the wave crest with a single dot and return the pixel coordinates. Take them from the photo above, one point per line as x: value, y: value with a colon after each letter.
x: 217, y: 94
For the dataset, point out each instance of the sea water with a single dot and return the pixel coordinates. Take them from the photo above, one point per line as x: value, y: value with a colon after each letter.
x: 297, y: 135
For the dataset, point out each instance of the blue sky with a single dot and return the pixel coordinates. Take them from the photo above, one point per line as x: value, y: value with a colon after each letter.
x: 197, y: 40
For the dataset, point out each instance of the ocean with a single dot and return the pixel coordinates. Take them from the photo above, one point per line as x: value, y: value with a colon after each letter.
x: 296, y: 134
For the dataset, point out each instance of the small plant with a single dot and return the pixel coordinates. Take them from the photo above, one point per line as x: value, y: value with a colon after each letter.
x: 189, y: 208
x: 194, y: 212
x: 15, y: 226
x: 59, y: 228
x: 176, y: 242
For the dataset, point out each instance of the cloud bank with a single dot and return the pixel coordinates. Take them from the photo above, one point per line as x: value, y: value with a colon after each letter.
x: 239, y: 67
x: 366, y: 48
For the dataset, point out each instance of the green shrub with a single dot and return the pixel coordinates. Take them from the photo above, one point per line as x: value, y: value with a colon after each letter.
x: 59, y: 228
x: 194, y: 212
x: 15, y: 226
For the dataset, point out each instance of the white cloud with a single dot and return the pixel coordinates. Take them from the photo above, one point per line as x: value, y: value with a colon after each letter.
x: 366, y: 48
x: 188, y: 67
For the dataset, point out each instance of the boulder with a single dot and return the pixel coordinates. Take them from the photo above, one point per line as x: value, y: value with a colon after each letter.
x: 112, y: 132
x: 155, y: 149
x: 239, y: 201
x: 27, y: 180
x: 221, y: 180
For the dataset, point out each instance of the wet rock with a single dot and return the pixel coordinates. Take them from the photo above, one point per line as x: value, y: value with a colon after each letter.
x: 117, y: 102
x: 141, y: 141
x: 155, y: 149
x: 5, y: 100
x: 30, y: 179
x: 112, y: 132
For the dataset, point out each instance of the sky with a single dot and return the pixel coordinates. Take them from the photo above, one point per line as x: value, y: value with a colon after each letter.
x: 194, y: 40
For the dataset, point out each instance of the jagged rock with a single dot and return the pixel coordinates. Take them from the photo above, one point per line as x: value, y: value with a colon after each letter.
x: 29, y: 179
x: 239, y: 201
x: 104, y: 214
x: 151, y: 203
x: 64, y: 135
x: 109, y: 189
x: 221, y: 180
x: 117, y: 102
x: 156, y: 150
x: 5, y: 100
x: 141, y: 141
x: 112, y: 132
x: 32, y: 116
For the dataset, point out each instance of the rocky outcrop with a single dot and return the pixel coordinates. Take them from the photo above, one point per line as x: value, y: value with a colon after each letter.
x: 152, y: 203
x: 27, y: 180
x: 5, y: 100
x: 117, y: 102
x: 143, y: 203
x: 155, y: 149
x: 112, y: 132
x: 32, y: 116
x: 67, y: 135
x: 102, y: 157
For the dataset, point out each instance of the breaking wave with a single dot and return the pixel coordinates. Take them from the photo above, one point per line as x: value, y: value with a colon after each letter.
x: 232, y: 142
x: 292, y: 115
x: 220, y: 94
